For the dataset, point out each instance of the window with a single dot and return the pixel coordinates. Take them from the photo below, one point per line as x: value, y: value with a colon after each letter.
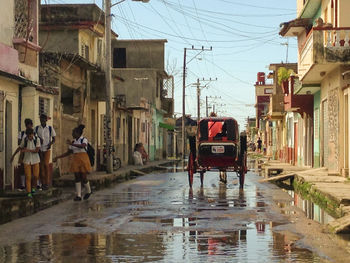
x: 268, y: 90
x: 119, y: 58
x: 118, y: 128
x: 99, y: 51
x: 85, y: 51
x: 44, y: 106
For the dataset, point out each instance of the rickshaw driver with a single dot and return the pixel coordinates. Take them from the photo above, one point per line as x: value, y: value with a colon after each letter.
x: 223, y: 132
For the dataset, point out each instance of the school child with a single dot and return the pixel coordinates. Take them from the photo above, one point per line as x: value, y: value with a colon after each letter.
x: 30, y: 146
x: 80, y: 163
x: 47, y: 136
x: 21, y: 135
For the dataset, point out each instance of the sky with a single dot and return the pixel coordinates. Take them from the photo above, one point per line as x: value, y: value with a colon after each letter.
x: 243, y: 36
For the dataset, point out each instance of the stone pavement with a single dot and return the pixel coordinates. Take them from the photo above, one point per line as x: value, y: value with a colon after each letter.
x: 331, y: 192
x: 15, y: 204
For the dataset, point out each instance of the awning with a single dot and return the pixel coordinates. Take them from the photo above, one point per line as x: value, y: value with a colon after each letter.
x: 166, y: 126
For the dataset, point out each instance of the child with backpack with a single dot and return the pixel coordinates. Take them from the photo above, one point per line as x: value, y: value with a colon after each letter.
x: 30, y: 146
x: 47, y: 136
x: 21, y: 135
x: 80, y: 163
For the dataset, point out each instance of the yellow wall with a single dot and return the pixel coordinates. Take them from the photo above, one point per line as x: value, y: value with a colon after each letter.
x: 7, y: 22
x: 11, y: 94
x: 343, y: 13
x: 300, y: 6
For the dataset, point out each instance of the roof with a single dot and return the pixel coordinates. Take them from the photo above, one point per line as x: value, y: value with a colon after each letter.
x: 297, y: 24
x: 69, y: 15
x: 143, y: 40
x: 218, y: 119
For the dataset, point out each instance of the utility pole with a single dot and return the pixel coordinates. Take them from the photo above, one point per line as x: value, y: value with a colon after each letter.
x: 109, y: 87
x: 198, y: 101
x: 184, y: 92
x: 199, y: 96
x: 109, y: 95
x: 183, y: 105
x: 207, y: 103
x: 206, y: 106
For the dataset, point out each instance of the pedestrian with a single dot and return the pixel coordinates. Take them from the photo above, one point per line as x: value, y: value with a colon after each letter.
x: 80, y: 163
x: 47, y: 136
x: 259, y: 141
x: 137, y: 155
x: 30, y: 146
x: 143, y: 152
x: 21, y: 135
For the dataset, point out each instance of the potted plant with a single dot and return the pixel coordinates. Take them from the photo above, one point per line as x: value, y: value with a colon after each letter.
x: 283, y: 75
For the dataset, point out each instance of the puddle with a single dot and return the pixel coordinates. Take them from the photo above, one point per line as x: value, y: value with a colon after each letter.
x: 310, y: 209
x: 252, y: 243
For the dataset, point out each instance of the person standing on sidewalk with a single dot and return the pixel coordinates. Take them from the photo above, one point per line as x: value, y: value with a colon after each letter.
x: 21, y: 135
x: 47, y: 136
x: 80, y: 163
x: 30, y: 146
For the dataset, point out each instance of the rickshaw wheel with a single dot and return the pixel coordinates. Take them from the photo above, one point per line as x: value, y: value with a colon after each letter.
x: 243, y: 171
x: 190, y: 169
x: 202, y: 178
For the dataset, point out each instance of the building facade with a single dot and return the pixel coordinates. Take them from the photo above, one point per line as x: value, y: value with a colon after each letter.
x: 322, y: 30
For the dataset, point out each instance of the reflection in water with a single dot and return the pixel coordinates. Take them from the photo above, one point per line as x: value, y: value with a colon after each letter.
x: 310, y: 209
x: 250, y: 244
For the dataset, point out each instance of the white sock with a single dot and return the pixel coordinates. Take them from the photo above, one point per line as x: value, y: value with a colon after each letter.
x: 23, y: 180
x: 87, y: 187
x: 78, y: 189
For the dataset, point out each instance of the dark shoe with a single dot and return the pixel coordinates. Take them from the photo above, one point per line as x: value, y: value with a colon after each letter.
x: 86, y: 196
x: 45, y: 187
x: 38, y: 187
x: 21, y: 189
x: 77, y: 198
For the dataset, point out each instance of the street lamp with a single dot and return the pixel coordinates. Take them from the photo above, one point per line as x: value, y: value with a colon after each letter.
x: 109, y: 88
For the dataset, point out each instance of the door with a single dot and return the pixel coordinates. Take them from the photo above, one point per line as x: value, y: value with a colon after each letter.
x: 325, y: 136
x: 130, y: 146
x: 295, y: 155
x: 346, y: 132
x: 8, y: 145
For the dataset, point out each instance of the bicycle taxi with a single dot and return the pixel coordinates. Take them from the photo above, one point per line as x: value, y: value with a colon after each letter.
x: 218, y: 146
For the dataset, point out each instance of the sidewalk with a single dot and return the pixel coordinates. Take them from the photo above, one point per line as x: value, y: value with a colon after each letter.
x: 330, y: 192
x: 15, y: 204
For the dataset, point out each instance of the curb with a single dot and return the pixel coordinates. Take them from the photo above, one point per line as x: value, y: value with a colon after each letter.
x: 15, y: 205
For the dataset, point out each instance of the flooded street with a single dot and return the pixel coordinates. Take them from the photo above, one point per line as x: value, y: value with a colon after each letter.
x: 158, y: 218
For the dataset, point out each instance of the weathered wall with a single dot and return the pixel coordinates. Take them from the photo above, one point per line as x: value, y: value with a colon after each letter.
x: 343, y: 13
x: 330, y: 87
x: 7, y: 22
x: 142, y: 54
x: 10, y: 90
x: 317, y: 116
x: 64, y: 41
x: 138, y: 83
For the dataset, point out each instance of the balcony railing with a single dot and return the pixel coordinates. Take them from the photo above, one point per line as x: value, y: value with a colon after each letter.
x: 324, y: 46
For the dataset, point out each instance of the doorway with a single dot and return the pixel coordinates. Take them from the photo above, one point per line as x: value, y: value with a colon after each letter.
x: 295, y: 157
x: 8, y: 145
x: 346, y: 133
x: 325, y: 134
x: 129, y: 123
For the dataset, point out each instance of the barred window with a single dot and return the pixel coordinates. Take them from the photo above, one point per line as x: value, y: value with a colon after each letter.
x: 44, y: 106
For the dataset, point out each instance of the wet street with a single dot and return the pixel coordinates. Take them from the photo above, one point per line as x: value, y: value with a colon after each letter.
x: 158, y: 218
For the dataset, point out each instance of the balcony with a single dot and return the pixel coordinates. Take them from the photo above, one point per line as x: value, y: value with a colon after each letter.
x: 297, y: 103
x: 276, y: 108
x: 323, y: 50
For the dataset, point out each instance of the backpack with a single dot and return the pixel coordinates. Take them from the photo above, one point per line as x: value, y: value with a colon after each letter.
x: 50, y: 131
x: 90, y: 151
x: 26, y: 141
